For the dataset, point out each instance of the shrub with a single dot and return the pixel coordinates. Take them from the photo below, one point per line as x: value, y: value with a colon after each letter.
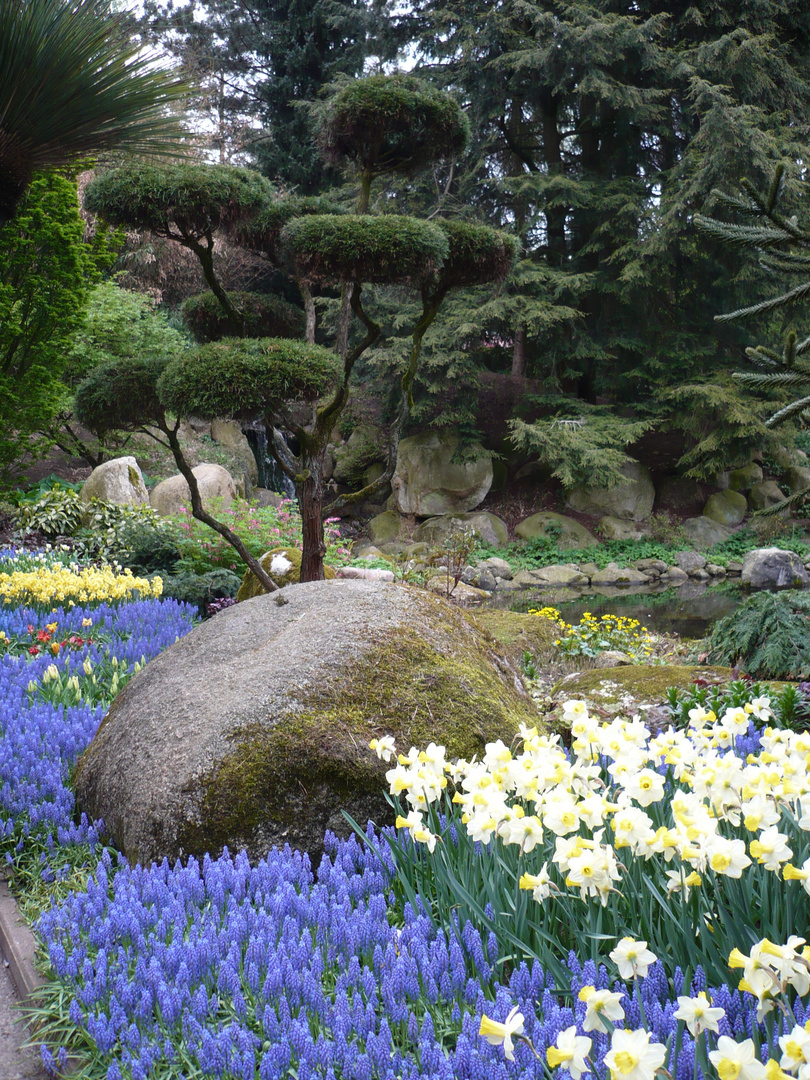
x: 592, y: 636
x: 201, y: 589
x: 477, y: 253
x: 393, y: 249
x: 246, y: 378
x: 120, y: 395
x: 768, y: 636
x: 261, y: 233
x: 56, y: 512
x: 264, y: 315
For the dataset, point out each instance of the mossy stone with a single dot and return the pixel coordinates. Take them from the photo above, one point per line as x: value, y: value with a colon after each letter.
x: 632, y: 687
x: 251, y: 586
x: 726, y: 507
x: 253, y: 730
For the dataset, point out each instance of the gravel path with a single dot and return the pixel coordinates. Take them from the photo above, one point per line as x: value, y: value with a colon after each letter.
x: 16, y: 1063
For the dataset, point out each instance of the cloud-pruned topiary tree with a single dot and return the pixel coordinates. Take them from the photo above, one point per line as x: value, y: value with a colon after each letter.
x: 72, y: 84
x: 136, y: 393
x: 373, y: 126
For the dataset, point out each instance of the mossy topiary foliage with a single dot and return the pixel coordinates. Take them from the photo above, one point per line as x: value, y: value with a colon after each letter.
x: 242, y: 377
x: 391, y: 123
x: 120, y: 395
x: 768, y: 636
x: 262, y: 232
x: 264, y: 315
x: 477, y: 254
x: 393, y: 249
x: 195, y: 199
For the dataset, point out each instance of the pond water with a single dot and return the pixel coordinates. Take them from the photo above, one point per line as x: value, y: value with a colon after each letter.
x: 689, y: 611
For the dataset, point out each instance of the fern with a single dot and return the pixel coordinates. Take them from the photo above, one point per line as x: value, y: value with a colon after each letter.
x: 768, y: 636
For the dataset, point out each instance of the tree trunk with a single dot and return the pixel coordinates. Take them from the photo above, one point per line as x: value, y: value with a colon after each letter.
x: 519, y: 351
x: 310, y: 502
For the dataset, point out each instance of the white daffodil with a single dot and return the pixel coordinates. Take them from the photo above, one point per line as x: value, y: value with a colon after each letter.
x: 384, y: 747
x: 698, y: 1014
x: 498, y: 1034
x: 570, y: 1052
x: 600, y: 1003
x: 632, y: 958
x: 632, y: 1056
x: 736, y: 1061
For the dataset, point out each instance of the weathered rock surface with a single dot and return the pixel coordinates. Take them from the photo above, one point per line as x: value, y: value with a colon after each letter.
x: 631, y: 500
x: 705, y: 533
x: 283, y: 564
x: 172, y: 495
x: 230, y: 435
x: 428, y: 482
x: 567, y: 576
x: 613, y: 528
x: 690, y: 561
x: 385, y: 527
x: 773, y: 568
x: 636, y: 688
x: 119, y: 480
x: 253, y: 730
x: 489, y: 528
x: 679, y: 493
x: 615, y: 575
x: 726, y: 507
x: 768, y: 493
x: 744, y: 478
x: 566, y: 532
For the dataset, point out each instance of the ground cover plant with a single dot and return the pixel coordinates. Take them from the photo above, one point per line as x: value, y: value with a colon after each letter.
x: 592, y: 635
x: 362, y: 967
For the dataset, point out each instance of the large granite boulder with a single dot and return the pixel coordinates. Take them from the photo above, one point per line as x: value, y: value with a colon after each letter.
x: 612, y: 528
x: 726, y: 507
x: 744, y: 478
x: 228, y: 433
x: 252, y: 731
x: 488, y: 528
x: 773, y: 568
x: 119, y: 480
x: 705, y: 533
x: 283, y: 564
x: 633, y: 499
x: 172, y: 496
x: 427, y: 480
x: 566, y: 532
x: 679, y: 493
x: 763, y: 496
x: 364, y: 447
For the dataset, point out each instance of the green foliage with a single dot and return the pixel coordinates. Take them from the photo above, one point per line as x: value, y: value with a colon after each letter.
x: 109, y: 529
x: 264, y: 315
x: 189, y: 200
x: 247, y: 378
x: 718, y: 698
x: 120, y: 395
x: 45, y: 274
x: 582, y: 447
x: 262, y: 232
x: 390, y: 124
x: 72, y: 83
x: 476, y: 253
x: 392, y: 249
x: 121, y: 324
x: 768, y: 636
x: 201, y: 589
x: 56, y: 512
x: 592, y: 636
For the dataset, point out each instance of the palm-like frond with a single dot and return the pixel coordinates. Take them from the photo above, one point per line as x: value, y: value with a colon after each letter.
x: 73, y: 84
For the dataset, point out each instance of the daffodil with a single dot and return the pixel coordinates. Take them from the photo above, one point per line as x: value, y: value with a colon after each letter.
x: 599, y: 1004
x: 632, y: 1056
x: 498, y: 1034
x: 570, y: 1052
x: 632, y: 958
x: 736, y: 1061
x: 384, y: 747
x: 698, y: 1014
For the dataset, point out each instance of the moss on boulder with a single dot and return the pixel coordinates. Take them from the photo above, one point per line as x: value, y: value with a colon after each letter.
x: 283, y: 564
x: 253, y: 730
x: 634, y: 687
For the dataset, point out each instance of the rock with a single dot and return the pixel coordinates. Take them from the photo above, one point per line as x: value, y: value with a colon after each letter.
x: 611, y: 658
x: 283, y: 564
x: 615, y: 575
x: 743, y: 479
x: 363, y: 448
x: 427, y: 481
x: 690, y: 561
x: 461, y: 593
x: 675, y: 576
x: 551, y: 575
x: 364, y: 549
x: 172, y: 495
x: 265, y: 497
x: 252, y: 731
x: 117, y: 481
x: 612, y: 528
x: 365, y: 573
x: 636, y: 688
x: 679, y: 493
x: 721, y: 480
x: 230, y: 435
x: 632, y: 499
x: 699, y: 575
x: 385, y: 527
x: 705, y: 533
x: 566, y: 532
x: 588, y: 568
x: 734, y: 568
x: 533, y: 472
x: 726, y: 507
x: 714, y: 570
x: 488, y: 528
x: 773, y: 568
x: 784, y: 457
x: 768, y: 493
x: 479, y: 579
x: 797, y: 478
x: 500, y: 568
